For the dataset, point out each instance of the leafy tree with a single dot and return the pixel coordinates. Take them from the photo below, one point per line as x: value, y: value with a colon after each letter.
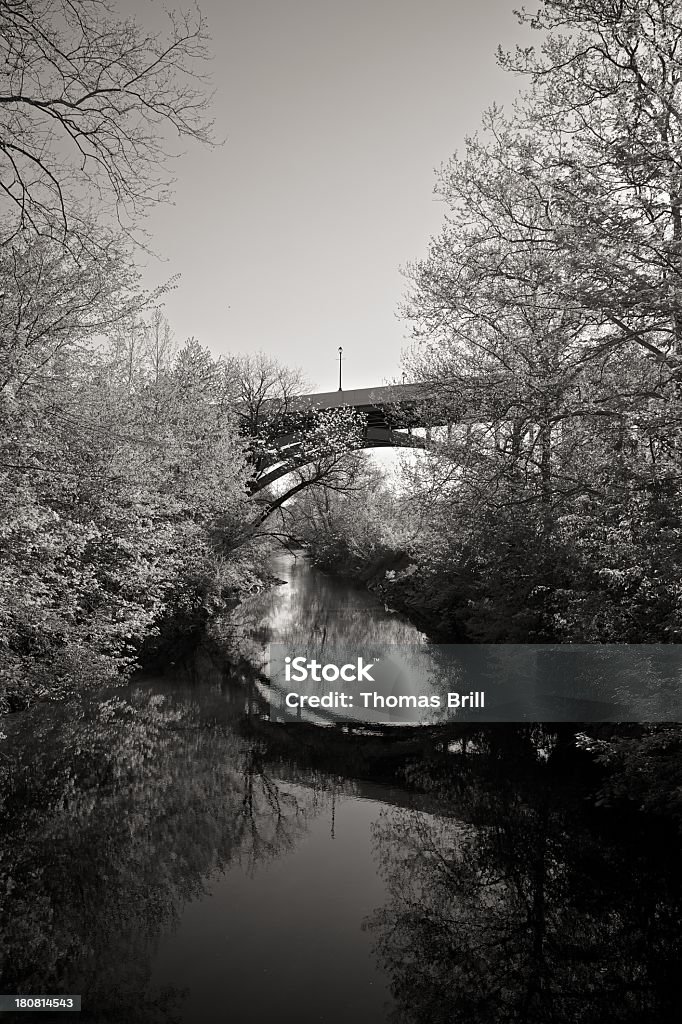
x: 124, y: 495
x: 122, y: 468
x: 546, y: 320
x: 605, y: 99
x: 351, y: 528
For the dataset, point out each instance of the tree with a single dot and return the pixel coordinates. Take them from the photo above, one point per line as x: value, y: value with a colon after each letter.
x: 351, y: 524
x: 265, y: 391
x: 118, y: 463
x: 606, y: 97
x: 87, y: 100
x: 502, y: 352
x: 123, y: 495
x: 547, y: 320
x: 160, y: 344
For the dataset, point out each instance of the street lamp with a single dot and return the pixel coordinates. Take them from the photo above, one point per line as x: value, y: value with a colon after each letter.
x: 340, y: 357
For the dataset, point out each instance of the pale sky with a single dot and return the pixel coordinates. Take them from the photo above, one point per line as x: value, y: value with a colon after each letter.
x: 290, y: 237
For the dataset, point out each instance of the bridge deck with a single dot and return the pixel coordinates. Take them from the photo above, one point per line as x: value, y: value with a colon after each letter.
x: 360, y: 397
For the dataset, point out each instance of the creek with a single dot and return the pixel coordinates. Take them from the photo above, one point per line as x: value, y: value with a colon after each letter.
x: 172, y: 856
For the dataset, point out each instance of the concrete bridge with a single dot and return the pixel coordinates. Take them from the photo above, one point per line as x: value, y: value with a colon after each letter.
x: 390, y: 414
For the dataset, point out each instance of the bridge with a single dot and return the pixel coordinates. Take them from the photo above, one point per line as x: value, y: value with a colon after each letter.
x: 389, y: 414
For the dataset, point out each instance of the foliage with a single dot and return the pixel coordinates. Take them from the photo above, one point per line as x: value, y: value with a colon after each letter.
x: 546, y: 325
x: 124, y: 486
x: 123, y: 469
x: 352, y: 528
x: 644, y: 770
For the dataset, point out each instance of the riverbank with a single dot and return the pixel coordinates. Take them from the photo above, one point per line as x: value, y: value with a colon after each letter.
x: 436, y: 607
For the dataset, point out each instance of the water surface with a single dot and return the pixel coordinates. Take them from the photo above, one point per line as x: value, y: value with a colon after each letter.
x: 172, y: 856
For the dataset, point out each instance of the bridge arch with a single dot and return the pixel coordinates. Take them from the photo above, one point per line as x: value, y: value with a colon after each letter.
x: 296, y: 460
x: 390, y: 413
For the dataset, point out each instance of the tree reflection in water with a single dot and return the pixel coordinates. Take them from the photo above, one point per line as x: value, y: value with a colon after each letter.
x: 527, y: 907
x: 518, y: 902
x: 114, y: 815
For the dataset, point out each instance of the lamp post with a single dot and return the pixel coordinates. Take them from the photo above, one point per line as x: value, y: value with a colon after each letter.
x: 340, y: 357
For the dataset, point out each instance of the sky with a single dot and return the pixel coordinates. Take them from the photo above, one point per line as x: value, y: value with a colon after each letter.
x: 335, y: 114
